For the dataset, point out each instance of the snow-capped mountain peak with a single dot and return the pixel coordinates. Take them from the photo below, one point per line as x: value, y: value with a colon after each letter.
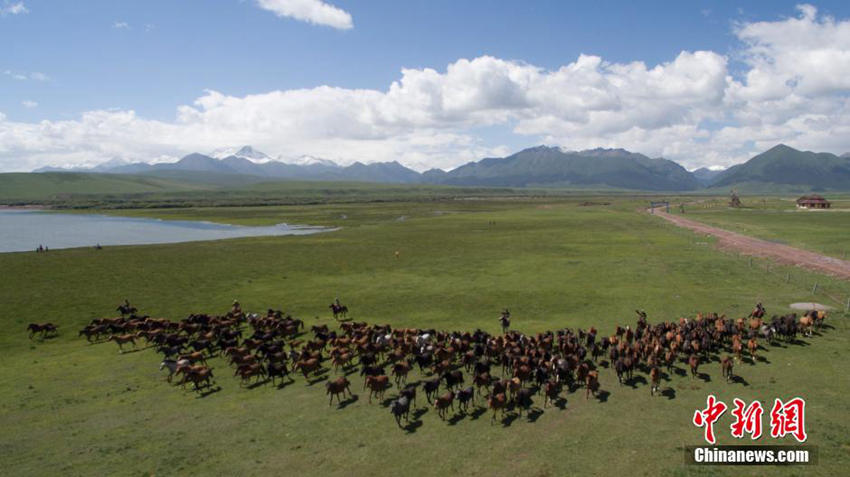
x: 244, y: 152
x: 307, y: 160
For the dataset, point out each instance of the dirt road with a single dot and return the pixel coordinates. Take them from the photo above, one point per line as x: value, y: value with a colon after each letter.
x: 762, y: 248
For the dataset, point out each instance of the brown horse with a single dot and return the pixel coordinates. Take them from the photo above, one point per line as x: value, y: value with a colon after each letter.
x: 377, y: 386
x: 308, y: 366
x: 726, y: 365
x: 248, y: 371
x: 655, y: 378
x: 523, y: 373
x: 818, y: 316
x: 201, y: 375
x: 693, y: 362
x: 342, y: 360
x: 592, y: 384
x: 737, y: 347
x: 400, y: 371
x: 482, y: 380
x: 336, y: 387
x: 123, y: 339
x: 444, y: 402
x: 753, y: 346
x: 196, y: 357
x: 497, y: 403
x: 806, y: 323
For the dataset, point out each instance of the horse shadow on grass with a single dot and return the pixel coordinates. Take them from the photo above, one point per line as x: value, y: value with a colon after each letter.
x: 257, y: 384
x: 283, y: 384
x: 311, y: 382
x: 602, y: 395
x: 798, y: 342
x: 669, y: 393
x: 534, y: 414
x: 477, y: 412
x: 351, y: 400
x: 704, y: 376
x: 209, y: 390
x: 739, y: 380
x: 680, y: 372
x: 762, y: 359
x: 457, y: 417
x: 508, y: 419
x: 412, y: 426
x: 634, y: 380
x: 560, y: 403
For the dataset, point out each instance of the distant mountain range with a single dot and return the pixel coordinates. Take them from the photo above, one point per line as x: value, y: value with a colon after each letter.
x: 785, y: 165
x: 540, y: 166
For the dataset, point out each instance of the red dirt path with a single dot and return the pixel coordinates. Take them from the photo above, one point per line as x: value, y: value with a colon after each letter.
x: 762, y: 248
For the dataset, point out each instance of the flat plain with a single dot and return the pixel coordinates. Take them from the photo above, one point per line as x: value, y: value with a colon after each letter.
x: 73, y: 408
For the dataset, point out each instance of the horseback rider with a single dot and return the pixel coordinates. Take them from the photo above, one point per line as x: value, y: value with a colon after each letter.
x: 505, y: 320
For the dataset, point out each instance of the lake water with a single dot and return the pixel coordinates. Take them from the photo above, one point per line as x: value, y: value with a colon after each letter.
x: 25, y: 230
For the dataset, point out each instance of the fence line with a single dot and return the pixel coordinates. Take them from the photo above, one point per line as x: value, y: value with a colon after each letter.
x: 840, y: 298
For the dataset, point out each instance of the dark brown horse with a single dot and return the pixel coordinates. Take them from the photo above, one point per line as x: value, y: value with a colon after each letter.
x: 43, y: 328
x: 550, y: 391
x: 336, y: 387
x: 338, y: 310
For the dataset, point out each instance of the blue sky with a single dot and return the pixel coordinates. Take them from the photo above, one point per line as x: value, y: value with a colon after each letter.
x: 64, y: 60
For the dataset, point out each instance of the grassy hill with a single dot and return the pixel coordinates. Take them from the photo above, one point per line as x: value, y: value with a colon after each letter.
x: 788, y: 168
x: 614, y: 168
x: 57, y: 185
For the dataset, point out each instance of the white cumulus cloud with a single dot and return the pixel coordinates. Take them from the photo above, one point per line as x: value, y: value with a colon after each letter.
x: 794, y: 89
x: 29, y: 103
x: 12, y: 8
x: 312, y: 11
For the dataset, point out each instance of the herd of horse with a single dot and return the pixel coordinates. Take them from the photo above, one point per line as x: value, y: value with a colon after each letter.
x: 502, y: 372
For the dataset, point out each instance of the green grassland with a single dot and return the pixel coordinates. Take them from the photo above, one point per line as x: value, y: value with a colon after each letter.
x: 70, y: 408
x: 183, y: 189
x: 778, y: 219
x: 27, y: 187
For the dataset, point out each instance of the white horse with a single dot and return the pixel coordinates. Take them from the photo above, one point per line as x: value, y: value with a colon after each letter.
x: 172, y: 365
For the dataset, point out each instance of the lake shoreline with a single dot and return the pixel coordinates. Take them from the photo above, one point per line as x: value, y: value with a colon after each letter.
x: 23, y: 230
x: 24, y: 207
